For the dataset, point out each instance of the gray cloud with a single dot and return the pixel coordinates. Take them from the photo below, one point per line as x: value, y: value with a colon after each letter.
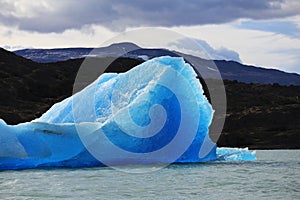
x: 57, y: 16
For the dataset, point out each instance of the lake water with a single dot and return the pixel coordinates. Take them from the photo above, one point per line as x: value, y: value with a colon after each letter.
x: 275, y: 175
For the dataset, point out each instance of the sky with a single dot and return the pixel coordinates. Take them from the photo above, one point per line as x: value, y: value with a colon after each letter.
x: 263, y: 33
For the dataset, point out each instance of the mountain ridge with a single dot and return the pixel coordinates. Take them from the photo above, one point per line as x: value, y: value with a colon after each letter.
x: 230, y: 70
x: 259, y: 116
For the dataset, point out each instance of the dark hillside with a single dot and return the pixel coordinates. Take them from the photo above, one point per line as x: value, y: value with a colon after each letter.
x: 259, y: 116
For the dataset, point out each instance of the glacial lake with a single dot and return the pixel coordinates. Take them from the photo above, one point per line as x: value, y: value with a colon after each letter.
x: 274, y: 175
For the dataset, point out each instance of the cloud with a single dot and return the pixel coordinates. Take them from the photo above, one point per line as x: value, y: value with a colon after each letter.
x: 202, y: 49
x: 255, y: 47
x: 58, y: 16
x: 288, y: 57
x: 14, y: 48
x: 92, y: 36
x: 288, y: 28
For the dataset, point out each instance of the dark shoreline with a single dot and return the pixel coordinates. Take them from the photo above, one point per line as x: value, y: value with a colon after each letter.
x: 259, y: 116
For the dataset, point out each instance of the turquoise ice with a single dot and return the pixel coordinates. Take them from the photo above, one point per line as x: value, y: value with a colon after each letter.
x: 154, y: 113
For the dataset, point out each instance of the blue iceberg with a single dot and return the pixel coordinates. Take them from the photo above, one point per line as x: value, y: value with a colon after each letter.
x: 154, y: 113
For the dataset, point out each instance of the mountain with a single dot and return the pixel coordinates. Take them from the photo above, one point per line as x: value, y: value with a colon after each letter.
x: 62, y: 54
x: 230, y: 70
x: 260, y: 116
x: 28, y: 89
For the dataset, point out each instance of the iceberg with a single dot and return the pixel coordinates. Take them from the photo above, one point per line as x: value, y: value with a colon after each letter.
x: 154, y: 113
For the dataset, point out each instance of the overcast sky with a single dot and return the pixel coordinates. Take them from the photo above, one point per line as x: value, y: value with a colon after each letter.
x: 258, y: 32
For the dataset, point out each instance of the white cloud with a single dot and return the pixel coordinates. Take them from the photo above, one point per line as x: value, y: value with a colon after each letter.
x: 24, y: 8
x: 201, y: 48
x: 295, y: 19
x: 88, y: 36
x: 257, y: 48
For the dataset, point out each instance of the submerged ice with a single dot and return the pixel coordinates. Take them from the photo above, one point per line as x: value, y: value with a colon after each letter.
x: 154, y: 113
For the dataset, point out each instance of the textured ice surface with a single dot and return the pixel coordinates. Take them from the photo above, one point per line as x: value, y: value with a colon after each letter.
x: 154, y: 113
x: 233, y: 154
